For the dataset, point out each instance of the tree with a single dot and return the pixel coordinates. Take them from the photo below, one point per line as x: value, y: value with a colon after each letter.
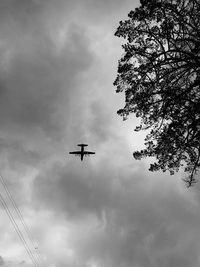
x: 160, y: 75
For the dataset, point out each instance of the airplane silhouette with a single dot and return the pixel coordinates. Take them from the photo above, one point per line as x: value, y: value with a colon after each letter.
x: 82, y: 152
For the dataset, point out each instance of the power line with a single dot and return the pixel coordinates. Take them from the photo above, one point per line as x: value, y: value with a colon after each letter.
x: 17, y: 210
x: 19, y: 233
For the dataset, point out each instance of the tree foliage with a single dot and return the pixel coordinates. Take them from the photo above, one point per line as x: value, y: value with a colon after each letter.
x: 160, y: 75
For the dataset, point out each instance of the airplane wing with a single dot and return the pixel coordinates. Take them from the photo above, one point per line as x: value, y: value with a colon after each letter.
x: 75, y: 152
x: 88, y: 152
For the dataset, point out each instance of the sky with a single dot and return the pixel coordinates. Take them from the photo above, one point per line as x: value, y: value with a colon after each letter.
x: 58, y: 62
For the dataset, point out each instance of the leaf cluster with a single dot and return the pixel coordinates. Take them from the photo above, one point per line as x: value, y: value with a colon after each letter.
x: 160, y: 75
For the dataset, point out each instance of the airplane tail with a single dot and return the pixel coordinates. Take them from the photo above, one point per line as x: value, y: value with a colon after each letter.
x: 82, y: 145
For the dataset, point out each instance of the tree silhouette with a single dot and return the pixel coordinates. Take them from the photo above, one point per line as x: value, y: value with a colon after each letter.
x: 160, y: 75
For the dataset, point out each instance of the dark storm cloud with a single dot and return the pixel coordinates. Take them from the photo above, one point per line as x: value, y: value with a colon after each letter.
x: 43, y: 52
x: 78, y: 193
x: 40, y: 68
x: 38, y: 77
x: 106, y: 9
x: 137, y: 224
x: 143, y: 231
x: 99, y: 123
x: 55, y: 75
x: 1, y: 261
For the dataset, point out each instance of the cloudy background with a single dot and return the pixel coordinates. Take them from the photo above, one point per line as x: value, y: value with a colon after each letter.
x: 58, y: 60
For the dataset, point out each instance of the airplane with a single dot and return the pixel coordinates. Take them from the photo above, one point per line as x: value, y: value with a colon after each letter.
x: 82, y: 152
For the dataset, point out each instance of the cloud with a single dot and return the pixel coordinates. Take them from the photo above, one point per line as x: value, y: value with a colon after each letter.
x: 57, y: 61
x: 1, y: 261
x: 142, y: 231
x: 35, y: 81
x: 119, y: 219
x: 40, y: 72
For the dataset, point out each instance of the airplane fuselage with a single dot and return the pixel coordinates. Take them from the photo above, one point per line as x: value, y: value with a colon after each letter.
x: 82, y: 151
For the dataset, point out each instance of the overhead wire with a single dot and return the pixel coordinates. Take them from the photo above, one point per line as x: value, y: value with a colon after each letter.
x: 18, y: 231
x: 18, y: 212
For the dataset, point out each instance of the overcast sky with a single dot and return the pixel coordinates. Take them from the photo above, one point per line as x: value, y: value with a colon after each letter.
x: 58, y: 61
